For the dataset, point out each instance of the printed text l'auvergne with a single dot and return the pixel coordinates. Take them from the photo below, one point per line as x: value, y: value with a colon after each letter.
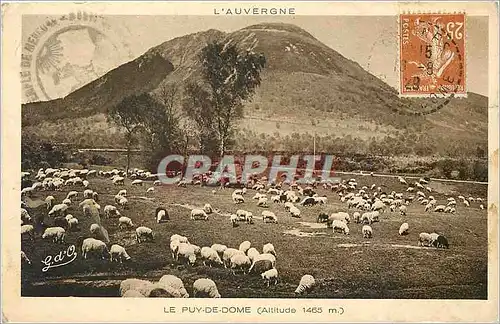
x: 254, y: 11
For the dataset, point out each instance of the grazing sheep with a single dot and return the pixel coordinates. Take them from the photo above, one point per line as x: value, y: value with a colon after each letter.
x: 125, y: 222
x: 58, y: 209
x: 210, y: 257
x: 441, y: 242
x: 367, y: 231
x: 133, y: 294
x: 308, y: 201
x: 402, y: 210
x: 118, y: 253
x: 24, y: 258
x: 208, y: 209
x: 29, y: 231
x: 228, y: 254
x: 72, y: 224
x: 238, y: 199
x: 94, y: 229
x: 295, y: 212
x: 123, y: 201
x: 87, y: 194
x: 161, y: 215
x: 322, y: 218
x: 306, y: 284
x: 175, y: 283
x: 481, y: 206
x: 219, y: 248
x: 95, y: 247
x: 340, y: 225
x: 136, y: 182
x: 61, y: 222
x: 252, y: 253
x: 142, y: 287
x: 424, y: 239
x: 270, y: 275
x: 239, y: 261
x: 403, y: 229
x: 110, y: 210
x: 49, y: 201
x: 260, y: 266
x: 144, y: 234
x: 73, y: 194
x: 205, y: 287
x: 245, y: 246
x: 288, y: 205
x: 150, y: 189
x: 262, y: 202
x: 439, y: 208
x: 186, y: 252
x: 268, y: 248
x: 198, y: 214
x: 57, y: 234
x: 269, y: 217
x: 356, y: 217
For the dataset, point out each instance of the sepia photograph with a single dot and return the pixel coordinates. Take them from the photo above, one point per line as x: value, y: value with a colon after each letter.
x: 252, y: 152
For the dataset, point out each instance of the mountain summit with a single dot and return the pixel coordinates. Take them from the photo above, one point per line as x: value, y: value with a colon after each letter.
x: 306, y: 87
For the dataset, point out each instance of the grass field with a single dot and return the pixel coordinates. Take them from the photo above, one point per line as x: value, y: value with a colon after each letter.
x: 386, y: 266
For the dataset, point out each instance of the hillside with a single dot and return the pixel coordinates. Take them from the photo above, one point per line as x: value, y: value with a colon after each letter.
x: 305, y: 82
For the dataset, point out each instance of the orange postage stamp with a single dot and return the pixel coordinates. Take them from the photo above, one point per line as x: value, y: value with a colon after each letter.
x: 432, y: 55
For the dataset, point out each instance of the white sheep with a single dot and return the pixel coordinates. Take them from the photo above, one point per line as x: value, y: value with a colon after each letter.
x: 72, y: 194
x: 176, y: 284
x: 269, y: 248
x: 270, y: 275
x: 288, y: 205
x: 110, y: 210
x: 210, y: 257
x: 295, y: 212
x: 258, y: 196
x: 57, y: 234
x: 403, y: 229
x: 94, y: 229
x: 238, y: 199
x: 252, y: 253
x: 186, y: 252
x: 265, y: 256
x: 340, y: 225
x: 402, y: 210
x: 424, y: 239
x: 240, y: 261
x: 150, y: 189
x: 219, y: 248
x: 143, y: 287
x: 133, y: 294
x: 124, y: 222
x: 180, y: 238
x: 123, y: 201
x: 269, y: 217
x: 205, y: 287
x: 306, y: 284
x: 58, y: 209
x: 87, y: 193
x: 72, y: 223
x: 439, y: 208
x: 481, y: 206
x: 161, y: 216
x: 198, y: 214
x: 94, y: 246
x: 85, y: 183
x: 228, y: 254
x: 49, y: 201
x: 136, y: 182
x: 367, y: 231
x: 245, y: 246
x: 118, y: 253
x: 262, y: 202
x: 143, y: 234
x: 29, y: 231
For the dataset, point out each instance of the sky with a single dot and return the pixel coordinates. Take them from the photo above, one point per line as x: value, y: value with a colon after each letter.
x: 370, y: 41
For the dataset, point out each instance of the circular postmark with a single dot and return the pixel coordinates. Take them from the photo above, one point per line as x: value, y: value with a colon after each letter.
x: 66, y: 52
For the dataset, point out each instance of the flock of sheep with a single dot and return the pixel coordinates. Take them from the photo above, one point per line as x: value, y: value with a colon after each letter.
x: 367, y: 204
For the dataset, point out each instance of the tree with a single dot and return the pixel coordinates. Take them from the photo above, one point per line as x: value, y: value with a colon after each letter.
x: 127, y: 115
x: 229, y: 79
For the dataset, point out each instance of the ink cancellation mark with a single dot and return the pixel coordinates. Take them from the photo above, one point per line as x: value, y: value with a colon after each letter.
x: 432, y: 55
x: 66, y: 52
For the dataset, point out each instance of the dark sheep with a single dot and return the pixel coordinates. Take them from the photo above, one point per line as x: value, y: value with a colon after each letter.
x: 310, y: 201
x: 441, y: 242
x: 283, y: 198
x: 160, y: 293
x: 61, y: 222
x: 322, y: 218
x: 309, y: 192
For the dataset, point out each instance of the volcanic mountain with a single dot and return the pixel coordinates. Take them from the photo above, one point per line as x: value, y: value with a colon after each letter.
x: 306, y: 87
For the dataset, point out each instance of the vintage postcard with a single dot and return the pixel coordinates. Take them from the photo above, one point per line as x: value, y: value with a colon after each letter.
x: 250, y: 162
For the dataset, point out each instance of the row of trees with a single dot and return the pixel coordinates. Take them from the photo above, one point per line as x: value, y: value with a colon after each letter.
x: 202, y: 113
